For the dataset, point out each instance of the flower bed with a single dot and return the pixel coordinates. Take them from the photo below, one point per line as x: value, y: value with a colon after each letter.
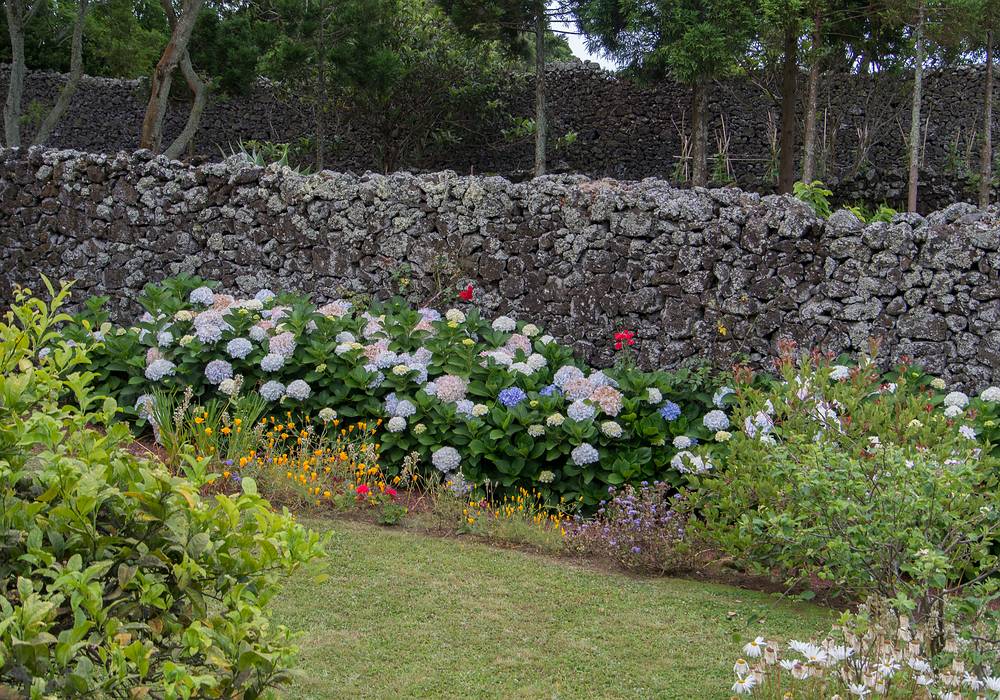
x: 478, y: 400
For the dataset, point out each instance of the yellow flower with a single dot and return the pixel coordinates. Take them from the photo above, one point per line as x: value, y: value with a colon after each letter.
x: 468, y: 341
x: 208, y: 431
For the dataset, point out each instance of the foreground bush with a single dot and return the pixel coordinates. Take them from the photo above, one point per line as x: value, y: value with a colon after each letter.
x: 118, y: 579
x: 498, y: 401
x: 868, y: 487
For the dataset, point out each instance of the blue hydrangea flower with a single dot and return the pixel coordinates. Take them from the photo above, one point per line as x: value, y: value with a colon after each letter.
x: 511, y: 396
x: 405, y: 408
x: 549, y: 390
x: 670, y: 411
x: 208, y: 333
x: 580, y: 411
x: 584, y: 454
x: 239, y: 348
x: 272, y: 390
x: 218, y: 370
x: 264, y: 296
x: 164, y: 339
x: 272, y: 362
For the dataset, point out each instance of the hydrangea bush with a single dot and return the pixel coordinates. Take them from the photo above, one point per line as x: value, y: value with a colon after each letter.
x: 495, y: 400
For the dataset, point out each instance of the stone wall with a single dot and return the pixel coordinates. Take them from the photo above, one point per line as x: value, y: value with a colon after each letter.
x: 625, y: 129
x: 583, y: 257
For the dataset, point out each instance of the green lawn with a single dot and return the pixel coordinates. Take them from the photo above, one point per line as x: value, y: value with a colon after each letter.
x: 406, y: 615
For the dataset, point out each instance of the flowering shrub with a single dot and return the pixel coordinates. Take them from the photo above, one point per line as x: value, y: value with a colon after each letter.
x: 875, y: 652
x: 639, y: 528
x: 837, y: 476
x: 117, y: 579
x: 496, y: 400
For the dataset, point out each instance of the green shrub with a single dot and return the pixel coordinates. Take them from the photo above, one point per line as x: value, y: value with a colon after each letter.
x: 499, y: 393
x: 816, y: 195
x: 866, y: 485
x: 117, y: 579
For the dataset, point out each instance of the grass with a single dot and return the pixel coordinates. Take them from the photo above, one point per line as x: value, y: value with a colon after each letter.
x: 407, y: 615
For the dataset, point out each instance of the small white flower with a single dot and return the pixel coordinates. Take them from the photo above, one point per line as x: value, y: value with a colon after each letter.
x: 611, y: 429
x: 952, y: 411
x: 455, y: 316
x: 396, y: 424
x: 555, y: 420
x: 546, y: 339
x: 480, y: 409
x: 858, y: 689
x: 682, y: 442
x: 840, y: 373
x: 722, y: 436
x: 653, y: 395
x: 530, y: 330
x: 967, y: 431
x: 741, y: 668
x: 744, y: 686
x: 536, y: 430
x: 327, y: 414
x: 755, y: 647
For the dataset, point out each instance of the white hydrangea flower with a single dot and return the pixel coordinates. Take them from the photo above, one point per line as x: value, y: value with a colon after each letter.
x: 405, y: 408
x: 584, y: 454
x: 396, y: 424
x: 480, y: 409
x: 715, y: 420
x: 455, y: 316
x: 990, y: 394
x: 536, y: 361
x: 522, y: 368
x: 546, y: 340
x: 653, y: 395
x: 298, y: 390
x: 327, y: 414
x: 555, y: 420
x: 504, y: 324
x: 611, y: 429
x: 263, y: 296
x: 565, y: 374
x: 967, y: 431
x: 530, y: 330
x: 400, y: 370
x: 682, y: 442
x: 536, y: 430
x: 938, y: 383
x: 183, y: 315
x: 953, y: 412
x: 164, y: 339
x: 956, y: 398
x: 229, y: 386
x: 446, y: 459
x: 723, y: 436
x: 257, y: 333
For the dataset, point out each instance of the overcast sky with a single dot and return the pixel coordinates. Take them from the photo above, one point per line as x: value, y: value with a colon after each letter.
x: 577, y: 43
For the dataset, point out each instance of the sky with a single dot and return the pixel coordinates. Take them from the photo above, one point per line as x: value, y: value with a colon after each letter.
x: 577, y: 43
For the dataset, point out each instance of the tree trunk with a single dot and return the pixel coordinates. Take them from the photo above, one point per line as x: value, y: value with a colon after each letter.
x: 918, y: 75
x: 197, y: 107
x: 15, y: 87
x: 789, y: 76
x: 541, y: 125
x: 69, y: 88
x: 699, y: 150
x: 986, y: 156
x: 809, y: 137
x: 176, y: 49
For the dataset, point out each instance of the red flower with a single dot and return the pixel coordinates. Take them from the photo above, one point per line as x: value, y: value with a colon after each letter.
x: 391, y: 491
x: 623, y: 338
x: 362, y: 490
x: 466, y: 294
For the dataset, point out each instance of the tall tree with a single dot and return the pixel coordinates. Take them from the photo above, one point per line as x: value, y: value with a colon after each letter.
x: 174, y: 54
x: 919, y: 55
x: 509, y: 21
x: 18, y: 14
x: 982, y: 20
x: 816, y: 10
x: 695, y: 41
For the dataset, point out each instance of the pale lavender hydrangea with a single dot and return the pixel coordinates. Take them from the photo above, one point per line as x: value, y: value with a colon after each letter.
x: 584, y: 454
x: 464, y: 408
x: 580, y: 411
x: 257, y: 333
x: 446, y: 459
x: 158, y: 369
x: 298, y: 390
x: 203, y: 296
x: 282, y: 344
x: 164, y: 339
x: 564, y: 374
x: 208, y: 333
x: 405, y: 408
x: 396, y: 424
x: 239, y: 348
x: 272, y: 362
x: 715, y: 420
x: 264, y: 296
x: 218, y: 370
x: 345, y: 337
x: 391, y: 402
x: 504, y: 324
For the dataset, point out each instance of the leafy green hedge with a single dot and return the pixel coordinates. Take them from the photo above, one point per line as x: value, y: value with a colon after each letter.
x: 117, y: 579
